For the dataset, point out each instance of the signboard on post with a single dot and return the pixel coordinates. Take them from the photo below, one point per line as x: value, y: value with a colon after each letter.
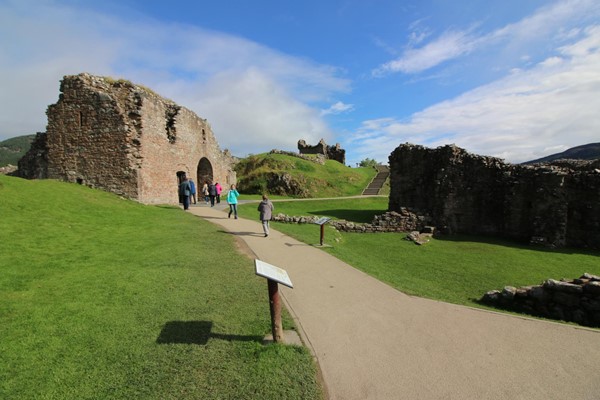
x: 274, y: 276
x: 322, y: 221
x: 272, y: 272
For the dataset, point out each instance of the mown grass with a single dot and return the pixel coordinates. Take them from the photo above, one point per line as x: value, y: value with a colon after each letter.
x: 104, y: 298
x: 456, y: 269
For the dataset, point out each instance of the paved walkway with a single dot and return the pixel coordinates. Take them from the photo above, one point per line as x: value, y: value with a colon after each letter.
x: 374, y: 342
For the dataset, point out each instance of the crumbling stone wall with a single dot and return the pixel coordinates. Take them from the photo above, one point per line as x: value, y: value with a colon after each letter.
x: 330, y: 152
x: 554, y: 204
x: 576, y: 300
x: 125, y: 139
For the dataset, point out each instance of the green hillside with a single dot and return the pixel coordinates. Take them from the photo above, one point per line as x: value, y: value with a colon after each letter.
x: 105, y: 298
x: 11, y: 150
x: 286, y: 175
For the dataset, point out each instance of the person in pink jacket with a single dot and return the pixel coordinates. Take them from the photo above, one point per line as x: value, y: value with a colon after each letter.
x: 219, y: 190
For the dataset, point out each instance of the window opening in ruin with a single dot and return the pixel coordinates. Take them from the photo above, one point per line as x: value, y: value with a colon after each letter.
x: 203, y: 135
x: 80, y: 181
x: 80, y: 119
x: 170, y: 116
x: 180, y: 176
x: 205, y: 171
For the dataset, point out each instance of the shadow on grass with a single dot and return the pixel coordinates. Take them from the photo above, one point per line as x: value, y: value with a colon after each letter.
x: 196, y: 332
x: 513, y: 243
x: 363, y: 216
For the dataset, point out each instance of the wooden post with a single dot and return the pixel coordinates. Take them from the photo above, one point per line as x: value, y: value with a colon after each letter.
x: 275, y: 306
x: 322, y: 233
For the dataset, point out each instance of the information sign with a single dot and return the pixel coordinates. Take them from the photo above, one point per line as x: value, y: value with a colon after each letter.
x: 322, y: 221
x: 272, y: 272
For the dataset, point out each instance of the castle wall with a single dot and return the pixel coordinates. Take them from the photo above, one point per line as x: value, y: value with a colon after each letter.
x: 556, y: 205
x: 126, y: 139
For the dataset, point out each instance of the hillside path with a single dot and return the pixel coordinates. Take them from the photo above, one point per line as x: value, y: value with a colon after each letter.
x: 372, y: 341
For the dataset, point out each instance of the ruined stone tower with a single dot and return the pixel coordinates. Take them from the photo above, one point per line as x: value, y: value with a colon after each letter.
x: 124, y: 138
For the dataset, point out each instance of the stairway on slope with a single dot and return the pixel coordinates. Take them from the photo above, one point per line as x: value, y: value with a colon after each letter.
x: 383, y: 172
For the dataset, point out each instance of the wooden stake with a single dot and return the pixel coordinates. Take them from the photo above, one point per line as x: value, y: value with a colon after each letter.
x: 275, y: 306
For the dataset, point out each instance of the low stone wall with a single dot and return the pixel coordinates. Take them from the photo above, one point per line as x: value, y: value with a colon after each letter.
x: 402, y: 221
x: 316, y: 158
x: 576, y: 300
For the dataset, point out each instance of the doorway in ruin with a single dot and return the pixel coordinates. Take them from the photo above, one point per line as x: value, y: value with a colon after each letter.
x: 205, y: 171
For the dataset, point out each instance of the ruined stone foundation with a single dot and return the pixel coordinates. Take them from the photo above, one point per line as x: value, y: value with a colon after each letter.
x: 555, y: 204
x: 124, y: 138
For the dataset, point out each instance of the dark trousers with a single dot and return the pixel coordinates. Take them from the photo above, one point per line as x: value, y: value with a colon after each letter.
x: 212, y: 201
x: 186, y: 202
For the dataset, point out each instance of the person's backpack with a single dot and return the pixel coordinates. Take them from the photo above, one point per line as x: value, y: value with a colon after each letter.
x: 212, y: 190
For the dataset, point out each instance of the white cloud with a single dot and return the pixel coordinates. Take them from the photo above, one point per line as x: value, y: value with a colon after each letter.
x: 337, y: 108
x: 249, y: 93
x: 539, y: 27
x: 554, y: 104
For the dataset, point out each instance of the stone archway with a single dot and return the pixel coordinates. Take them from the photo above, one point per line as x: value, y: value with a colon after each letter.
x: 205, y: 171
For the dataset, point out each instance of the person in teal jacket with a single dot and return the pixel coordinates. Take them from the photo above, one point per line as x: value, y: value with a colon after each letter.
x: 232, y: 196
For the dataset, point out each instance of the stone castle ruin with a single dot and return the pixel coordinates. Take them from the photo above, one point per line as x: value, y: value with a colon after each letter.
x: 329, y: 152
x: 123, y: 138
x: 555, y: 204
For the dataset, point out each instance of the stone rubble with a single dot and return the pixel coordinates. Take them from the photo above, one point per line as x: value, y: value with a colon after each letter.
x: 576, y: 300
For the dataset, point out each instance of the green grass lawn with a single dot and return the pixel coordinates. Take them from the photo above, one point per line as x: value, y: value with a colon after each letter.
x: 104, y: 298
x: 456, y: 269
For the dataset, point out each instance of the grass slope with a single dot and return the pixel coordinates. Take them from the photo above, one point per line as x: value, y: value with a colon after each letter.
x: 104, y: 298
x: 11, y: 150
x: 456, y: 269
x: 312, y: 179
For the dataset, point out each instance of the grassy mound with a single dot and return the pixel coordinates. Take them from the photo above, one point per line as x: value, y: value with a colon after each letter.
x: 102, y: 297
x: 285, y: 175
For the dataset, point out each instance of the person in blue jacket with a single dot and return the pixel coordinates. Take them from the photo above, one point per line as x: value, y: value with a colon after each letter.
x: 232, y: 197
x: 193, y: 189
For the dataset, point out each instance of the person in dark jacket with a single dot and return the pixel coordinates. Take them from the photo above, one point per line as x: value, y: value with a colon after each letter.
x: 185, y: 190
x: 212, y: 193
x: 266, y: 213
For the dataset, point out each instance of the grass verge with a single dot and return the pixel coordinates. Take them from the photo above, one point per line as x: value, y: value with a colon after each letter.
x: 456, y: 269
x: 106, y: 298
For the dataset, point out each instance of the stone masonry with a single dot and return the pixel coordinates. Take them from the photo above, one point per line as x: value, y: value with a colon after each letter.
x: 555, y: 204
x: 330, y: 152
x: 124, y: 138
x: 576, y: 300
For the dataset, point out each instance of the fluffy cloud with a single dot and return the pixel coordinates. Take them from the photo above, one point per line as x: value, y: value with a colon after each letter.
x: 337, y: 108
x: 453, y: 44
x: 250, y: 93
x: 553, y: 105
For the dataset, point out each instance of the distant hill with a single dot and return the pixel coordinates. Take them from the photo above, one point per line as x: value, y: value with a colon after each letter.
x: 11, y: 150
x: 589, y: 151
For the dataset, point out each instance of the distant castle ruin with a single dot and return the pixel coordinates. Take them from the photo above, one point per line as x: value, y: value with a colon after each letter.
x: 329, y: 152
x: 124, y: 138
x: 555, y: 204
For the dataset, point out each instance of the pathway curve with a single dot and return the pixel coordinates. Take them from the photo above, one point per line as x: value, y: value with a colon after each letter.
x: 373, y: 342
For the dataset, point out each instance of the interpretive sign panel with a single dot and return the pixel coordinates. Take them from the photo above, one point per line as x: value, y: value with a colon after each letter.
x: 272, y: 272
x: 322, y: 221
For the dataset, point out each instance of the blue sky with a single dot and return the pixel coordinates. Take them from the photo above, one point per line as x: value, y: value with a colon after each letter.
x: 506, y: 78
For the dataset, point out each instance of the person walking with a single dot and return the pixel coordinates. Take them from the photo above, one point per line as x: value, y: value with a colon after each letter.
x: 185, y: 191
x: 212, y: 193
x: 193, y: 189
x: 219, y: 190
x: 232, y: 200
x: 205, y: 191
x: 266, y: 213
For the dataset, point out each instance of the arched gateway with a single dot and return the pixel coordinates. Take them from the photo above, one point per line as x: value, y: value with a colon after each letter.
x: 124, y: 138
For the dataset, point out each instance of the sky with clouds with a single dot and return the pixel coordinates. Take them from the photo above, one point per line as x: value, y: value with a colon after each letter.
x: 508, y: 78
